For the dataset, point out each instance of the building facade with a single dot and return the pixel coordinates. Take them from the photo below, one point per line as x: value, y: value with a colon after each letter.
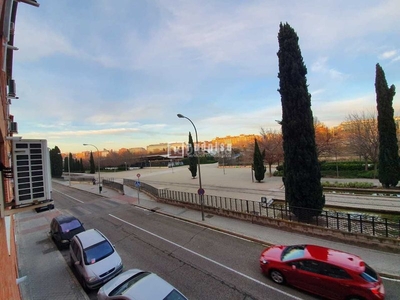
x: 8, y: 127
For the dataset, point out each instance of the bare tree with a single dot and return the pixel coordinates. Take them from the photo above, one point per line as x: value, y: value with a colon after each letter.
x: 363, y: 137
x: 271, y: 143
x: 324, y: 138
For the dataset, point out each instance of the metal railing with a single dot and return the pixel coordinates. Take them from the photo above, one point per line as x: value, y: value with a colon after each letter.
x: 355, y: 223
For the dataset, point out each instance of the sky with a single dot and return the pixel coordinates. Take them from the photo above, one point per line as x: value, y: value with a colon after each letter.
x: 115, y: 74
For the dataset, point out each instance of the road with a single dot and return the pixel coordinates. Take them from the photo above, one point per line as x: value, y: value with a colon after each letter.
x: 202, y: 263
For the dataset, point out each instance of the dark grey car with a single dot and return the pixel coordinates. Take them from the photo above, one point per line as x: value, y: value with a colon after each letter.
x: 63, y: 228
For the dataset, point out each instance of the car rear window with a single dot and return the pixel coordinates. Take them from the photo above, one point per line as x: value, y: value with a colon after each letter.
x: 97, y: 252
x: 71, y: 225
x: 369, y: 274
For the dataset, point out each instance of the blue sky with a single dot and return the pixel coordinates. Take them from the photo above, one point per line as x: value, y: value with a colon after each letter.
x: 116, y: 73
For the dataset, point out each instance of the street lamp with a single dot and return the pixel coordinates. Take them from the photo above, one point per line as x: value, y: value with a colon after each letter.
x: 201, y: 191
x: 98, y: 156
x: 69, y: 172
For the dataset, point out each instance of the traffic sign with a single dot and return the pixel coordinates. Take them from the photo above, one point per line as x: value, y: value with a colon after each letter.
x: 137, y: 183
x: 138, y: 175
x: 200, y: 191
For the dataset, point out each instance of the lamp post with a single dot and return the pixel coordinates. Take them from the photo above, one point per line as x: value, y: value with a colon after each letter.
x: 200, y: 191
x: 69, y: 170
x: 98, y: 163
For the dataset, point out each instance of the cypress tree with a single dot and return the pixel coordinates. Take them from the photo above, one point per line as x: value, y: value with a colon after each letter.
x: 91, y: 163
x: 389, y: 162
x: 55, y: 162
x: 258, y: 163
x: 81, y: 169
x: 65, y: 168
x: 302, y: 175
x: 71, y: 163
x: 192, y: 157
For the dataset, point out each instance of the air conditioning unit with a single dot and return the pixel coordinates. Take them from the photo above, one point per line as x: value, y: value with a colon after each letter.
x: 31, y: 171
x: 13, y: 127
x: 11, y: 88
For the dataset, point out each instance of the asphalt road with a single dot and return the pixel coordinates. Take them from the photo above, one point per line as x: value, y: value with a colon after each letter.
x: 201, y: 263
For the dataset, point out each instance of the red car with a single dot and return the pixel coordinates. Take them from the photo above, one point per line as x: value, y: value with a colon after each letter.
x: 326, y: 272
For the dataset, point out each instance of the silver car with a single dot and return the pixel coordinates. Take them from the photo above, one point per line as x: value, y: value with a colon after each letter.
x: 136, y: 284
x: 94, y: 258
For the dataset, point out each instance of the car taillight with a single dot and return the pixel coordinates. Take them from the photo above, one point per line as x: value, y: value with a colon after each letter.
x: 378, y: 291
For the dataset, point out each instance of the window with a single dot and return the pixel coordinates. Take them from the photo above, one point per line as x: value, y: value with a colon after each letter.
x: 309, y: 266
x: 334, y: 272
x: 97, y: 252
x: 369, y: 274
x: 71, y: 225
x: 174, y: 295
x: 292, y: 252
x: 120, y: 289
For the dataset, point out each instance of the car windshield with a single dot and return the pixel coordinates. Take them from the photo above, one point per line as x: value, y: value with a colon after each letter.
x: 120, y: 289
x: 97, y: 252
x: 292, y: 252
x: 71, y: 225
x: 369, y: 274
x: 175, y: 295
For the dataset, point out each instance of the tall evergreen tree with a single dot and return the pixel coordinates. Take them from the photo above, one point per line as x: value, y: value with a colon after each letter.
x: 193, y: 159
x: 91, y: 163
x: 258, y: 163
x: 302, y: 175
x: 389, y: 161
x: 56, y: 166
x: 71, y: 163
x: 81, y: 167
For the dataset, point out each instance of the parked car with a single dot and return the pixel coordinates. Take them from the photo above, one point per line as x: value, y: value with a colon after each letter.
x: 94, y: 258
x: 63, y: 228
x: 323, y: 271
x: 136, y: 284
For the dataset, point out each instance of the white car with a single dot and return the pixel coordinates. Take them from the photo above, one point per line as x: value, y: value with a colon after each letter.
x: 136, y: 284
x: 94, y: 258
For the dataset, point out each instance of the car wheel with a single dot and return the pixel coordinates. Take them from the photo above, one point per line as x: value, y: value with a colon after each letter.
x: 71, y: 262
x: 277, y: 276
x: 83, y: 283
x: 58, y: 244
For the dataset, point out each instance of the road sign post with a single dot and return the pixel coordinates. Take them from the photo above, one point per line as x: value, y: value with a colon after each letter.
x: 138, y: 187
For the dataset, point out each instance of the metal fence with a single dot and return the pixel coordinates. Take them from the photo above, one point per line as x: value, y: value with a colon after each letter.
x: 135, y: 184
x: 356, y: 223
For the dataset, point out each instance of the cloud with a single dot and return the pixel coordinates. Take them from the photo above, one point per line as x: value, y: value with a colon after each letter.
x: 321, y: 66
x: 388, y: 54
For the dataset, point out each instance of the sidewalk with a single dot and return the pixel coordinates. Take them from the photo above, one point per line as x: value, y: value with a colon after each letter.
x: 48, y: 275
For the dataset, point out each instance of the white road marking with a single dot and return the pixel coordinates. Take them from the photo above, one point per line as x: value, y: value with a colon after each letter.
x: 390, y: 279
x: 68, y: 196
x: 206, y: 258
